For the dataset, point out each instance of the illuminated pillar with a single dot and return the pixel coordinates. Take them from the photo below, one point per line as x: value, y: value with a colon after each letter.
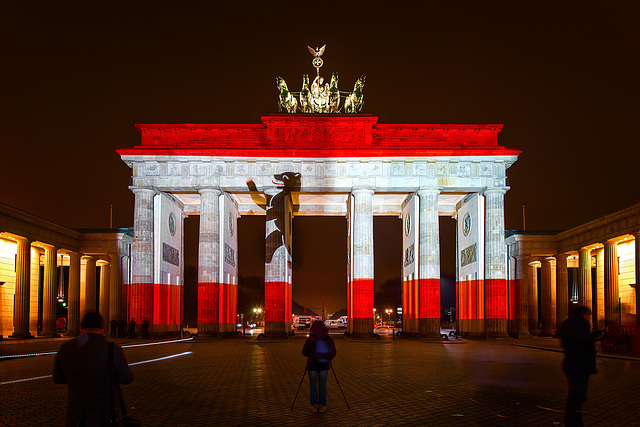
x: 546, y: 299
x: 105, y: 270
x: 611, y: 292
x: 22, y: 303
x: 49, y: 293
x: 584, y: 277
x: 532, y: 281
x: 495, y: 283
x: 208, y: 262
x: 522, y: 298
x: 89, y: 285
x: 636, y: 236
x: 429, y: 267
x: 363, y: 263
x: 277, y: 272
x: 141, y: 287
x: 115, y: 287
x: 562, y: 289
x: 73, y: 298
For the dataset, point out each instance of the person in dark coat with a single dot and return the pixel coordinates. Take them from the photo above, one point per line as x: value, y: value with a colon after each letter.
x: 82, y: 364
x: 132, y: 328
x: 579, y: 361
x: 319, y: 349
x: 121, y: 326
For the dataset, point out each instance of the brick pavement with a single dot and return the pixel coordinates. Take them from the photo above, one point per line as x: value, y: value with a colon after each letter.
x: 389, y: 382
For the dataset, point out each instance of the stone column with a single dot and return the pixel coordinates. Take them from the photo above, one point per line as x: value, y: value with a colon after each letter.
x: 532, y: 279
x: 636, y: 236
x: 429, y: 264
x: 562, y: 289
x: 522, y: 298
x: 611, y: 290
x: 584, y: 277
x: 105, y: 293
x: 363, y: 263
x: 495, y: 281
x: 116, y: 309
x: 22, y: 303
x: 90, y: 286
x: 73, y: 309
x: 141, y: 290
x: 49, y: 292
x: 208, y: 262
x: 546, y: 299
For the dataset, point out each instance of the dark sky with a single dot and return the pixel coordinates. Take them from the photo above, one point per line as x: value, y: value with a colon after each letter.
x: 562, y: 78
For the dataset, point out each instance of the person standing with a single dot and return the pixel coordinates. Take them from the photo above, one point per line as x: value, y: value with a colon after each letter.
x: 579, y: 361
x: 132, y: 328
x: 319, y: 349
x: 114, y: 326
x: 82, y: 364
x: 121, y: 326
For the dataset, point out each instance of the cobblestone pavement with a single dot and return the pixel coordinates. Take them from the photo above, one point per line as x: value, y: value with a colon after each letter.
x: 236, y: 382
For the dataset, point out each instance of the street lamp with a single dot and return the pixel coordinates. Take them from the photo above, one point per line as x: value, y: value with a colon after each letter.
x: 374, y: 317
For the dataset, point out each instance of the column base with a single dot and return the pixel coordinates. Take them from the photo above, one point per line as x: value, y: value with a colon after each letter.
x: 21, y: 335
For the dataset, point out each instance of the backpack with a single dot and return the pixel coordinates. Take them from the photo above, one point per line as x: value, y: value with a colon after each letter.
x: 321, y: 353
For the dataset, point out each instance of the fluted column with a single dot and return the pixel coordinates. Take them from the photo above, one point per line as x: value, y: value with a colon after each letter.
x: 73, y: 309
x: 495, y: 270
x: 522, y: 297
x: 21, y: 308
x: 546, y: 299
x: 141, y: 288
x: 89, y: 285
x: 49, y: 297
x: 208, y: 262
x: 584, y: 277
x: 636, y: 236
x: 363, y: 271
x: 116, y: 309
x: 532, y: 279
x: 611, y: 290
x: 105, y: 286
x: 562, y: 289
x: 429, y: 264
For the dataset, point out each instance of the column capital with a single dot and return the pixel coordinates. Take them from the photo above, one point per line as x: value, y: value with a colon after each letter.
x: 207, y: 190
x: 362, y: 190
x: 495, y: 190
x: 142, y: 190
x: 428, y: 190
x: 564, y: 255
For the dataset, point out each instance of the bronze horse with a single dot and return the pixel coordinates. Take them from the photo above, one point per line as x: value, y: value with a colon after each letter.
x: 286, y: 99
x: 305, y: 95
x: 353, y: 103
x: 334, y: 94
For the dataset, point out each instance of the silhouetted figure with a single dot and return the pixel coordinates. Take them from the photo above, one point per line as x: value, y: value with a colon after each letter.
x: 579, y: 361
x: 145, y: 328
x: 114, y: 326
x: 132, y: 328
x: 319, y: 349
x: 121, y: 326
x: 82, y: 364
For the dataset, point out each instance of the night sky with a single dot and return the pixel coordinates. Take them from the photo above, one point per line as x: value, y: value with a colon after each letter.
x: 563, y: 79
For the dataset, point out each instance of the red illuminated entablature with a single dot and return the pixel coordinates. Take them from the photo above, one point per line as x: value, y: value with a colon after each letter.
x: 319, y: 136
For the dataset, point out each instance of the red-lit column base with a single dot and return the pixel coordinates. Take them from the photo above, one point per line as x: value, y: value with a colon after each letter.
x: 362, y: 307
x: 471, y: 306
x: 208, y: 308
x: 496, y: 313
x: 141, y: 303
x: 227, y: 308
x: 429, y: 307
x: 168, y: 306
x: 275, y: 303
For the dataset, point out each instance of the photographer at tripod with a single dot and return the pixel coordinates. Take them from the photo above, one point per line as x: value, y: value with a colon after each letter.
x: 319, y: 349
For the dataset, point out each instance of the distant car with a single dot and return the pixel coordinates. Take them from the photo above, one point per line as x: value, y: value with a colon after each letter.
x: 334, y: 324
x: 189, y: 332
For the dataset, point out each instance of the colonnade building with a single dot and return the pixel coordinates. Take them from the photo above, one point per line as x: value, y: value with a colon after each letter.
x: 43, y: 264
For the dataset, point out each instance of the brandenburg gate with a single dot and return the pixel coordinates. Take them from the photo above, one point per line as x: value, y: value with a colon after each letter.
x: 345, y: 165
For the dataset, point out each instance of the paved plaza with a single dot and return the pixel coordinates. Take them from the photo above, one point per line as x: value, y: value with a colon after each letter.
x: 390, y: 382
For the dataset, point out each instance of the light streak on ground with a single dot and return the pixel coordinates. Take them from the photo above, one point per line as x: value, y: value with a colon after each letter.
x: 130, y: 364
x: 156, y: 343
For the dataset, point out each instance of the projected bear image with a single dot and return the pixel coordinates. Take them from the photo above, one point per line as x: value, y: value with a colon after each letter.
x: 286, y: 183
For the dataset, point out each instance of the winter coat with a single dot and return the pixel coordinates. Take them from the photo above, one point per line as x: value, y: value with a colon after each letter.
x: 579, y: 350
